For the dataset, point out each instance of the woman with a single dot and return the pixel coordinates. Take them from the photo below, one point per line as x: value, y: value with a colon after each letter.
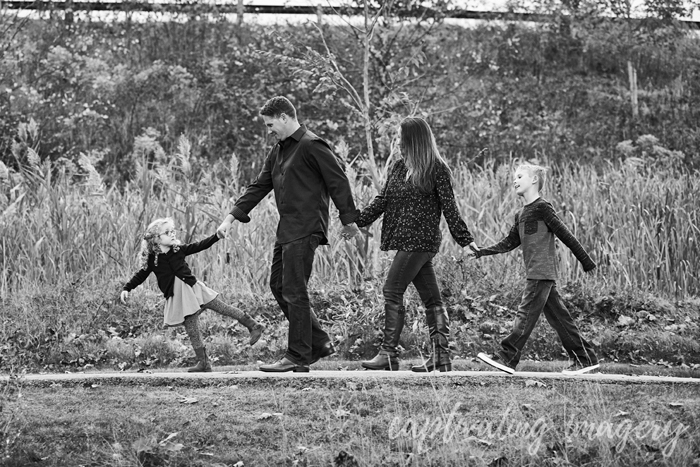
x: 417, y: 192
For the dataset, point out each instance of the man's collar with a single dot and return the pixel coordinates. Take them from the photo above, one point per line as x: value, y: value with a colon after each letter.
x: 296, y: 135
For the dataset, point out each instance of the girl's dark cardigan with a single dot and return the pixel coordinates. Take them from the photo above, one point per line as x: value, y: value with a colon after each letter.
x: 170, y: 265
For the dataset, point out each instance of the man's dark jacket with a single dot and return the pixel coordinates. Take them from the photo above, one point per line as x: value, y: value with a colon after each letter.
x: 305, y: 175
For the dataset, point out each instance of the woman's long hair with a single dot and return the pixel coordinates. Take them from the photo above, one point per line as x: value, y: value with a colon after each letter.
x: 420, y: 153
x: 149, y: 244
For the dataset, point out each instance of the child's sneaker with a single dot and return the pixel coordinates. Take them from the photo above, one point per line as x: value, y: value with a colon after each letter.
x: 578, y: 368
x: 496, y: 362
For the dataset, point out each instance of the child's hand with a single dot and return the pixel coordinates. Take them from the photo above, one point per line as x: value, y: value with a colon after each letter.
x: 223, y: 228
x: 473, y: 249
x: 124, y: 295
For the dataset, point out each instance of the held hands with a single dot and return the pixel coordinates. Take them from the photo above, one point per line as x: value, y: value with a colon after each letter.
x: 349, y: 231
x: 473, y: 249
x: 222, y: 231
x: 124, y: 295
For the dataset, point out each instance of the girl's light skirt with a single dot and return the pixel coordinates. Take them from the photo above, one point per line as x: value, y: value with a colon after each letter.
x: 186, y: 301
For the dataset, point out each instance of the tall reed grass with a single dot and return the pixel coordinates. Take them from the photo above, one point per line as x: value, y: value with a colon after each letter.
x: 60, y: 224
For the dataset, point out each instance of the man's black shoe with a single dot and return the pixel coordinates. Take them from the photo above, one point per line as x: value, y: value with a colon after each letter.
x: 284, y: 365
x: 326, y: 351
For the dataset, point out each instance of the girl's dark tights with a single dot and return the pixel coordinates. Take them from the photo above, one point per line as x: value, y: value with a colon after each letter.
x: 192, y: 321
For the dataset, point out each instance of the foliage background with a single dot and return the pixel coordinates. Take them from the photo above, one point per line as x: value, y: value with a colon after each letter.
x: 108, y: 125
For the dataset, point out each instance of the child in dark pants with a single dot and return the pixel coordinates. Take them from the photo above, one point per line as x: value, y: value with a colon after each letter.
x: 185, y: 296
x: 535, y: 229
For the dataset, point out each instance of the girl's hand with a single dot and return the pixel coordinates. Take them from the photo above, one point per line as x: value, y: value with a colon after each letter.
x: 471, y: 252
x: 124, y: 295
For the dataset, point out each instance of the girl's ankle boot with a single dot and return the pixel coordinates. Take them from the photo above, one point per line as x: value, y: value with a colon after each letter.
x: 203, y: 365
x: 255, y: 328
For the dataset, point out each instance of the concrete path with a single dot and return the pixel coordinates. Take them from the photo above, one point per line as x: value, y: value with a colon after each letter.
x: 158, y: 377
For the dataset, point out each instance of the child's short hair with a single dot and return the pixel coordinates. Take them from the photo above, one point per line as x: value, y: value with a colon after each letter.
x: 536, y: 170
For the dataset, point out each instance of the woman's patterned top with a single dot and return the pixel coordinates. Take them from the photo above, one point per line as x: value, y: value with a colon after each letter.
x: 412, y: 217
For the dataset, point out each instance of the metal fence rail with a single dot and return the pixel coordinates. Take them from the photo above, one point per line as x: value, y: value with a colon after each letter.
x: 173, y: 7
x: 238, y: 7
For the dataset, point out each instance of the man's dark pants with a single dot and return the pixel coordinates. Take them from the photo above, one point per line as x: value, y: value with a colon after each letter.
x: 291, y: 269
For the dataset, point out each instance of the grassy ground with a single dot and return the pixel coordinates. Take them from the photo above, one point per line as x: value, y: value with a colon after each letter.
x: 306, y: 421
x: 74, y: 330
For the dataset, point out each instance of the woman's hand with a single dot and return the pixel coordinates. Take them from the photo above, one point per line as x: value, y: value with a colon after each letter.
x: 349, y: 231
x: 124, y: 295
x: 473, y: 249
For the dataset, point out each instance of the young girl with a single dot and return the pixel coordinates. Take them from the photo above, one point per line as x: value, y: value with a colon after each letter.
x: 162, y: 254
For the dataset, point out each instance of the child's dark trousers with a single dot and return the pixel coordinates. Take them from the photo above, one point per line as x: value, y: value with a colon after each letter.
x: 539, y: 296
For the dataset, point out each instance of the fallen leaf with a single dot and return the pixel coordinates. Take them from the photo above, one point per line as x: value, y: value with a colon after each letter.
x: 532, y: 382
x: 172, y: 447
x: 266, y: 415
x: 141, y: 445
x: 625, y: 320
x: 188, y: 400
x: 480, y: 441
x: 169, y: 437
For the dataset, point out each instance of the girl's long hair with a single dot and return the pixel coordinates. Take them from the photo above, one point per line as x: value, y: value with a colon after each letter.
x: 149, y: 244
x: 420, y: 153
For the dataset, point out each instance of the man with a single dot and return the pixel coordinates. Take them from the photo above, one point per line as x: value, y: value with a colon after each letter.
x: 304, y: 174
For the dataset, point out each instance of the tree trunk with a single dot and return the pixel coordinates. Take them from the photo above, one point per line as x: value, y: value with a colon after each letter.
x: 368, y: 33
x: 319, y: 16
x: 239, y: 13
x: 633, y: 89
x: 68, y: 16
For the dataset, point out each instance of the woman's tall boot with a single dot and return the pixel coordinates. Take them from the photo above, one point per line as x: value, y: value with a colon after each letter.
x: 388, y: 356
x: 439, y: 331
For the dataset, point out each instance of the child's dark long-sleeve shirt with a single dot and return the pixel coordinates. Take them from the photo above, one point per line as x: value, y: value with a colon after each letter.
x: 170, y: 265
x: 412, y: 217
x: 535, y: 227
